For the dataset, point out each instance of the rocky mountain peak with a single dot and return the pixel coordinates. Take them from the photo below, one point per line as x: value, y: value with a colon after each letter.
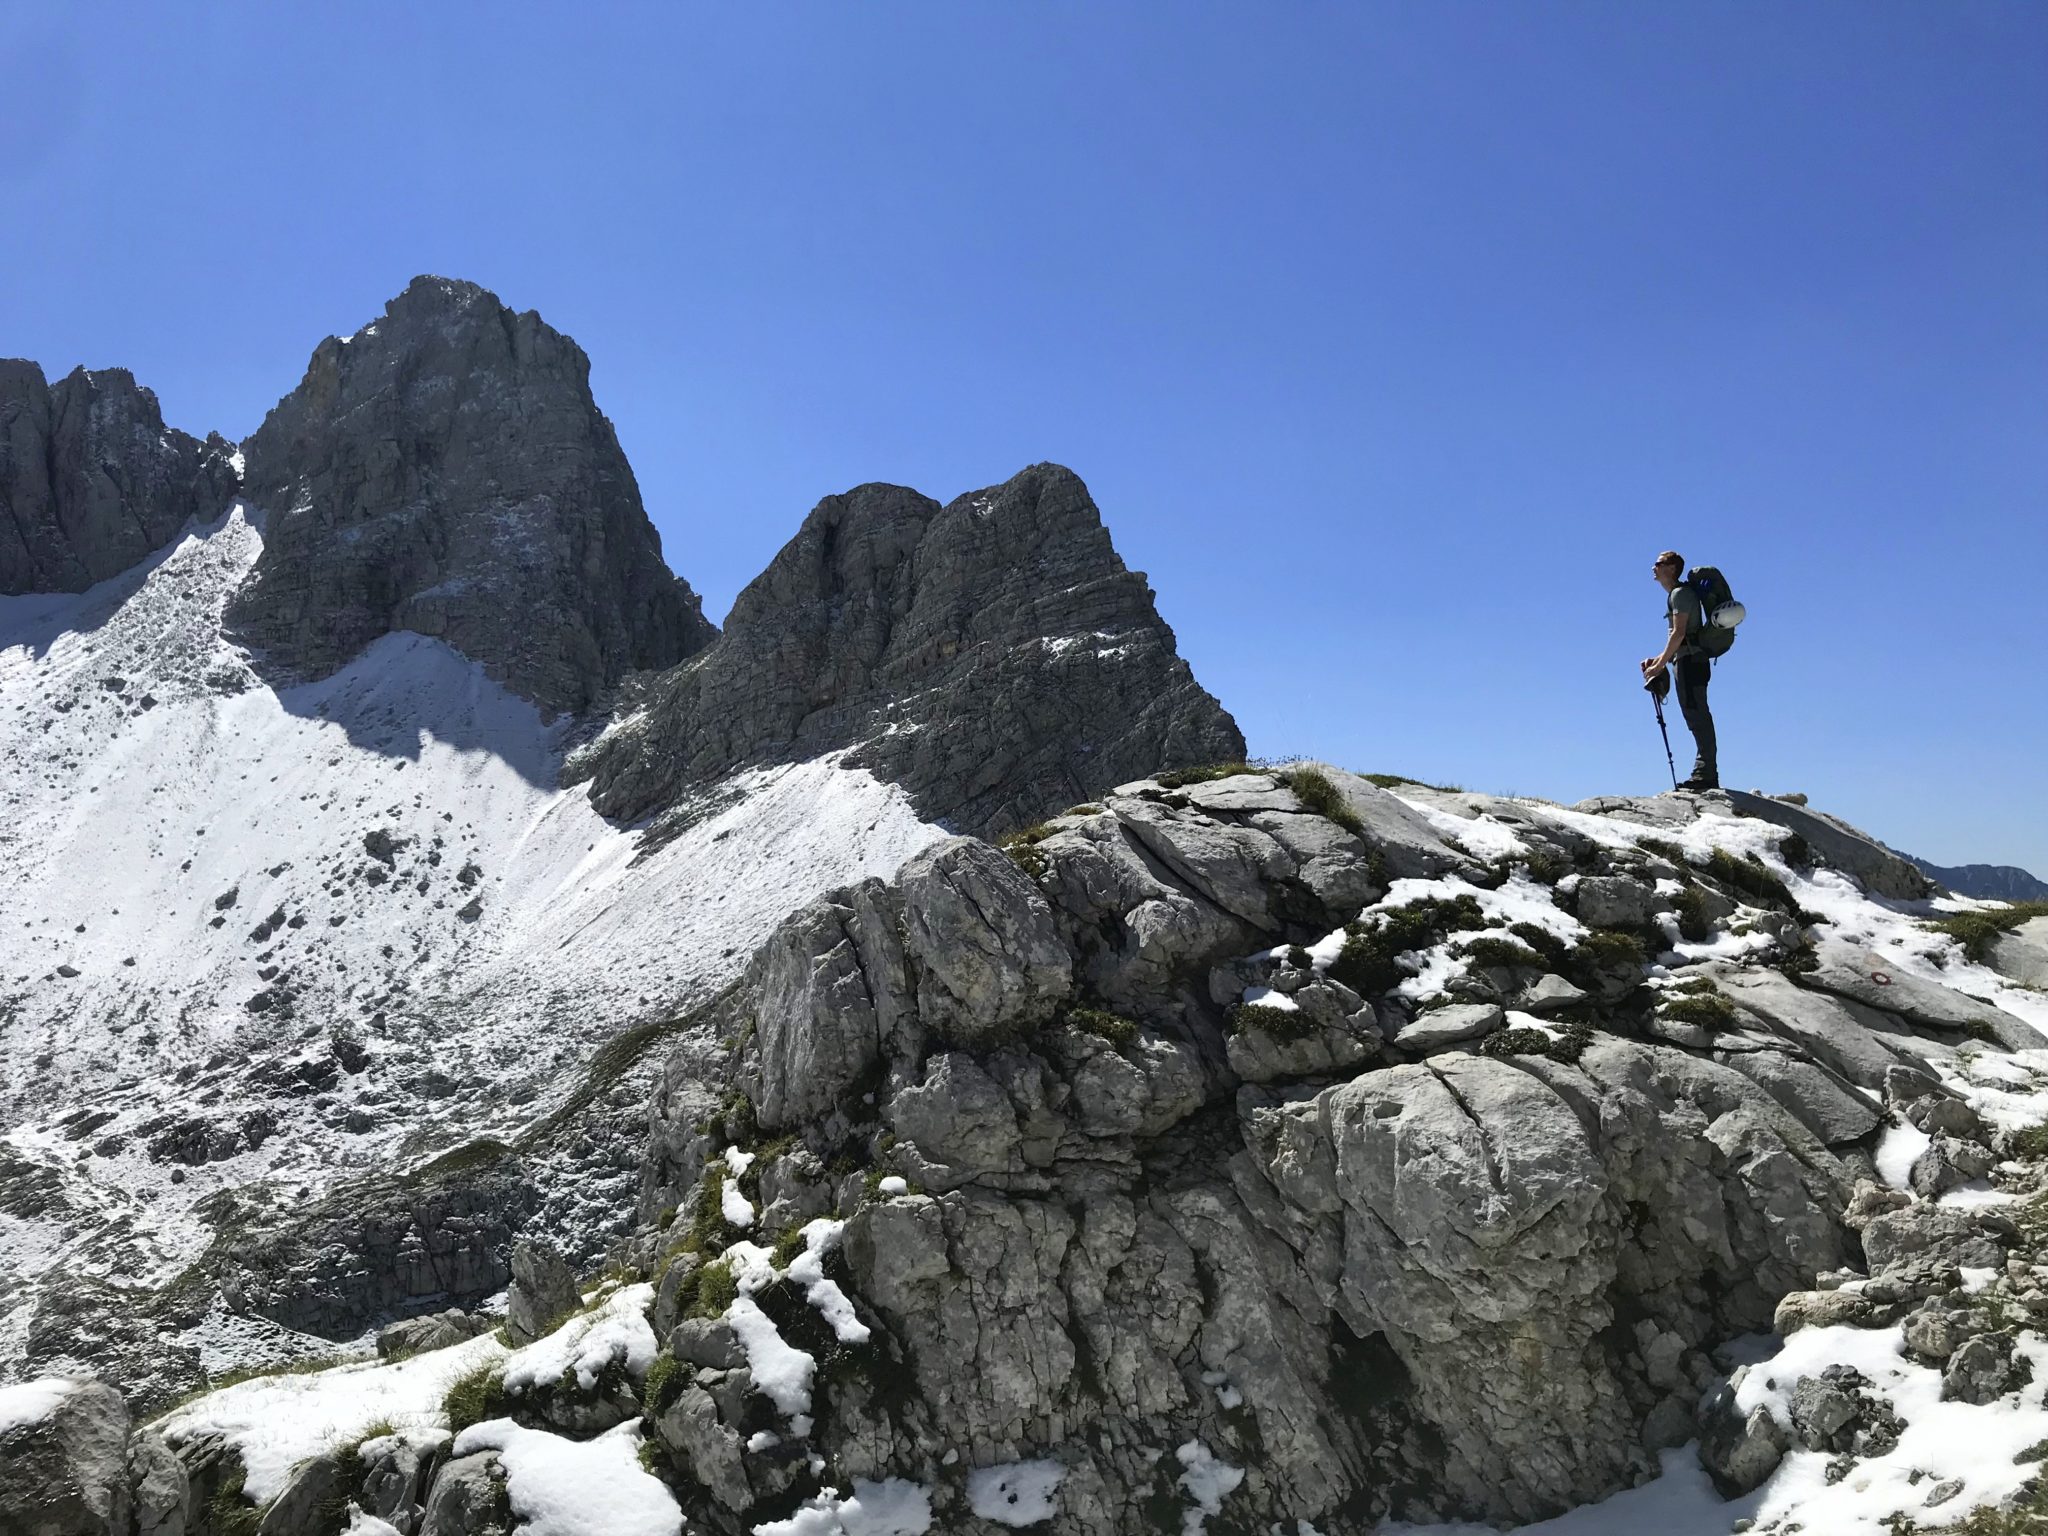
x: 993, y: 655
x: 91, y: 480
x: 446, y: 470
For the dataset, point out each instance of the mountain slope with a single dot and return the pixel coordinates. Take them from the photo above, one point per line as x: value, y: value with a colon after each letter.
x: 1987, y: 882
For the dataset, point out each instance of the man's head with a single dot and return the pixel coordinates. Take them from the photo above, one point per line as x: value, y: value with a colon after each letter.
x: 1670, y: 567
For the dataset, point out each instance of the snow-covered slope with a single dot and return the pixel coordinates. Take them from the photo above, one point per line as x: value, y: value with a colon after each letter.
x: 291, y: 935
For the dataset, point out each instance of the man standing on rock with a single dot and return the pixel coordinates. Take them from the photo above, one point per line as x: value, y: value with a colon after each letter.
x: 1682, y: 611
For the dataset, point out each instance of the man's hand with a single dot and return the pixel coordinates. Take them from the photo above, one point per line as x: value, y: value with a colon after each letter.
x: 1652, y: 665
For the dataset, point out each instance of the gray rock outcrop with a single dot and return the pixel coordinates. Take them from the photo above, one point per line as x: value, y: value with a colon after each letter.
x: 73, y: 1462
x: 445, y: 470
x: 993, y: 656
x: 1136, y: 1214
x: 91, y: 480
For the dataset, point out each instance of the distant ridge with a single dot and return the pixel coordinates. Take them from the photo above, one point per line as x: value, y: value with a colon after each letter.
x: 1986, y: 882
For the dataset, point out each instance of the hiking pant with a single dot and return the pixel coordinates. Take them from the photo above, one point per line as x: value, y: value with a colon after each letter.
x: 1693, y: 672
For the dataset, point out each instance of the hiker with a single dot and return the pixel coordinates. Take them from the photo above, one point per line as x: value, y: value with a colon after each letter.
x: 1682, y: 610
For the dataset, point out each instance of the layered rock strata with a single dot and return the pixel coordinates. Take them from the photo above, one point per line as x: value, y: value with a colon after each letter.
x: 91, y: 480
x: 993, y: 656
x: 446, y: 470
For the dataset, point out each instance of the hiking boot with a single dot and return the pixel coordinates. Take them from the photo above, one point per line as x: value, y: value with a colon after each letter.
x: 1701, y: 781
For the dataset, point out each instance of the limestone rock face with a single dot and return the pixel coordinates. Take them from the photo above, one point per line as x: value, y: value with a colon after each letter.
x: 74, y: 1463
x: 445, y: 470
x: 1134, y: 1147
x: 993, y: 656
x: 91, y: 480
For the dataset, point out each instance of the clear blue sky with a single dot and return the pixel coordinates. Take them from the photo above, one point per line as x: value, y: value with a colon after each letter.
x: 1393, y: 340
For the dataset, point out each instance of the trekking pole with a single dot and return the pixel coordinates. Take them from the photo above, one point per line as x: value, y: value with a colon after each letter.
x: 1656, y: 694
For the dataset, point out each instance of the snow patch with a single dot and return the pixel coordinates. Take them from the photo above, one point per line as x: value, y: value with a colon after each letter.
x: 1016, y: 1493
x: 564, y: 1487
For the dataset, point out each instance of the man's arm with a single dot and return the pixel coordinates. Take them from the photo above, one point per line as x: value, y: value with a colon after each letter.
x: 1655, y: 664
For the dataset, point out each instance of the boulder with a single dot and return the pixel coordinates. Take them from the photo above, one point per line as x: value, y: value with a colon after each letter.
x: 543, y: 1291
x: 2021, y: 954
x: 75, y: 1465
x: 468, y: 1499
x: 1835, y: 843
x: 1616, y: 901
x: 988, y: 961
x: 1850, y: 971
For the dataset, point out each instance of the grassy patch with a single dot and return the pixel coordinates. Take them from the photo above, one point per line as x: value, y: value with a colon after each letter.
x: 1709, y: 1010
x: 1568, y: 1045
x: 1977, y: 931
x: 1366, y: 963
x: 1693, y: 922
x: 666, y: 1379
x: 1507, y: 954
x: 1280, y: 1023
x: 476, y: 1397
x: 1752, y: 877
x: 1390, y: 780
x: 1113, y: 1027
x: 708, y: 1291
x: 2031, y: 1142
x: 1314, y: 790
x: 229, y: 1512
x: 1669, y: 852
x: 1542, y: 940
x: 1208, y: 773
x: 1022, y: 847
x: 1796, y: 851
x: 467, y: 1158
x: 1607, y: 949
x: 787, y: 1247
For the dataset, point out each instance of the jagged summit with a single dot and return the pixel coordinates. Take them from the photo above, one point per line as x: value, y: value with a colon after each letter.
x: 446, y: 470
x: 91, y: 480
x: 993, y: 655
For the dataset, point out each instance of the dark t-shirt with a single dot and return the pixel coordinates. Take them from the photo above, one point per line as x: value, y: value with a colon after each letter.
x: 1682, y: 599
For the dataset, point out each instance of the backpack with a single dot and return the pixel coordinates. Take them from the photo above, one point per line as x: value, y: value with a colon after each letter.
x: 1718, y: 606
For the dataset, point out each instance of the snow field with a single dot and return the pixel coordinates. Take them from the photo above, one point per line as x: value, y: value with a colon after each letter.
x: 564, y: 1487
x: 235, y: 875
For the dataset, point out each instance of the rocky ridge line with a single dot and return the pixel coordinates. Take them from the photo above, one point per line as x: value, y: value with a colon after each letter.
x: 92, y: 481
x: 993, y: 656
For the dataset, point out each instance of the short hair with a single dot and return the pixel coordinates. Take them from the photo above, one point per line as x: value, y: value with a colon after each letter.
x: 1671, y: 557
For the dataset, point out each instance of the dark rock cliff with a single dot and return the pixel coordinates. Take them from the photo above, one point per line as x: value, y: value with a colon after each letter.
x: 91, y: 480
x: 445, y: 470
x: 994, y: 656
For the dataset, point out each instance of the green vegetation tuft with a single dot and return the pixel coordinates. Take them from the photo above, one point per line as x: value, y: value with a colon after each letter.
x: 1022, y: 847
x: 1181, y: 778
x: 1669, y: 852
x: 1313, y: 789
x: 1082, y: 810
x: 1608, y: 949
x: 229, y: 1512
x: 787, y: 1247
x: 666, y: 1379
x: 1390, y: 780
x: 1568, y: 1045
x: 476, y: 1397
x: 716, y: 1289
x: 2030, y: 1142
x: 1709, y: 1010
x: 1367, y: 962
x: 1796, y: 851
x: 1693, y: 923
x: 1113, y: 1027
x: 1752, y: 877
x: 1506, y: 954
x: 1542, y: 940
x: 1280, y: 1023
x: 1976, y: 931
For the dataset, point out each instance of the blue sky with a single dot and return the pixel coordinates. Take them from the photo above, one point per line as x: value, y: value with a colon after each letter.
x: 1393, y: 340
